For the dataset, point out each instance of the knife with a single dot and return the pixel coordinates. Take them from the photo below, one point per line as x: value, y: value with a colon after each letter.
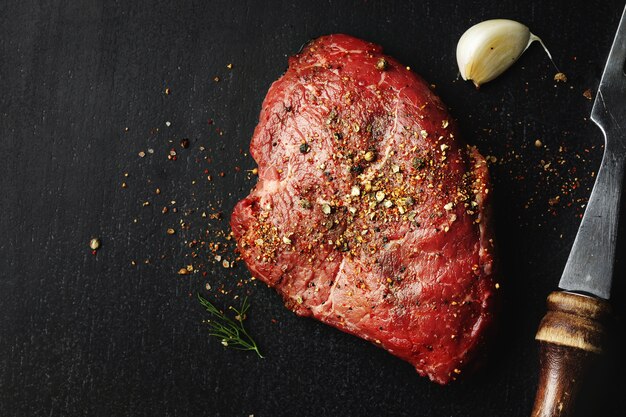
x: 570, y: 334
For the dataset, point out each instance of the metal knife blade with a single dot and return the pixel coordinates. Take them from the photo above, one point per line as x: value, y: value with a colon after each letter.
x: 589, y: 268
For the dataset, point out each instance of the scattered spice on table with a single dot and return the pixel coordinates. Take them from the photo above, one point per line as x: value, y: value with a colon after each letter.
x: 94, y: 244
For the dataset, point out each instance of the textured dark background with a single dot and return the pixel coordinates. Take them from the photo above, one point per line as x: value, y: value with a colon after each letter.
x: 95, y: 335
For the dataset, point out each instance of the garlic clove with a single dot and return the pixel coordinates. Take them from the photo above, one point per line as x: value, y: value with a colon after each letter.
x: 489, y: 48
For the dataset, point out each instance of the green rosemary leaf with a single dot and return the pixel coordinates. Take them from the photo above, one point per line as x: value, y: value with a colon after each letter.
x: 231, y: 332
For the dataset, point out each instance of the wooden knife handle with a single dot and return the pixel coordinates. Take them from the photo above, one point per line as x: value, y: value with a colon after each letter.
x: 570, y: 336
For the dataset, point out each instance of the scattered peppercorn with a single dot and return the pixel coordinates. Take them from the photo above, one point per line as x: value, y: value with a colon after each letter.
x: 94, y: 243
x: 418, y: 163
x: 358, y: 169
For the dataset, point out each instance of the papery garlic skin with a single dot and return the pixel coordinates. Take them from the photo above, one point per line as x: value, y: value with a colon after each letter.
x: 489, y: 48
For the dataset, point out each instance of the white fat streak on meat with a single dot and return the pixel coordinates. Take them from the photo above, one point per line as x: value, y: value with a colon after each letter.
x: 334, y: 305
x: 334, y: 47
x: 383, y: 75
x: 265, y: 191
x: 328, y: 308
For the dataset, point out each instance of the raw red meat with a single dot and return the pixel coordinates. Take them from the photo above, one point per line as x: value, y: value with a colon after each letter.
x: 369, y: 214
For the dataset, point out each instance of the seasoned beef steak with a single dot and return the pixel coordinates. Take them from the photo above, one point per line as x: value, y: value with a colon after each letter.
x: 369, y: 215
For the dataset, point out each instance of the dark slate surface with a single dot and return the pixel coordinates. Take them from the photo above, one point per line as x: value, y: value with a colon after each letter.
x: 94, y: 335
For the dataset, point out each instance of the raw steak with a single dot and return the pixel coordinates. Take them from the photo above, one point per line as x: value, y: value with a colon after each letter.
x: 369, y: 214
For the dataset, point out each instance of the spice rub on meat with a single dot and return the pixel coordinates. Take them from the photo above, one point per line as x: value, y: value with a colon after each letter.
x: 369, y: 214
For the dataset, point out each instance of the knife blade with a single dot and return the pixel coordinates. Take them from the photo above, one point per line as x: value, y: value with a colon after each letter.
x: 570, y: 335
x: 589, y: 268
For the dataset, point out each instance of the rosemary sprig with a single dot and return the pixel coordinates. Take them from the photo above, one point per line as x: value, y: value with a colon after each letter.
x: 231, y: 332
